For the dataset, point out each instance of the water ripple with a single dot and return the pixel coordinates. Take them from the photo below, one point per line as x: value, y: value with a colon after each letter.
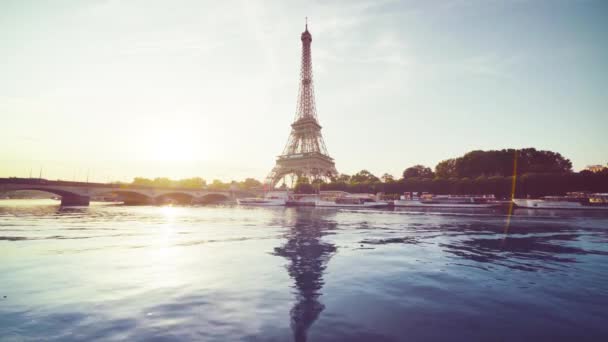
x: 111, y: 272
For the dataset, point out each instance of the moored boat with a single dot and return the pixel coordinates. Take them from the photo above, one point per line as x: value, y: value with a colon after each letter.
x: 273, y: 198
x: 449, y: 201
x: 338, y: 199
x: 576, y: 201
x: 302, y: 200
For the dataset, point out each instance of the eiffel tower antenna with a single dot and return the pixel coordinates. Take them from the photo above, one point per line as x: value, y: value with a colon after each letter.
x: 305, y: 154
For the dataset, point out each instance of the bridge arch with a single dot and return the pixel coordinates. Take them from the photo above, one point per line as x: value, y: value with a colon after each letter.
x: 246, y: 193
x: 78, y: 193
x: 213, y: 197
x: 67, y: 197
x: 129, y: 197
x: 176, y: 196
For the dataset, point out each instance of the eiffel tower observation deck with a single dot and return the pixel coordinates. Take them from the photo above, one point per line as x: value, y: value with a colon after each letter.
x: 305, y: 154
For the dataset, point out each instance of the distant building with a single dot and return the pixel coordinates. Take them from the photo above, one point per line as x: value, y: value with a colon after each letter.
x: 596, y: 168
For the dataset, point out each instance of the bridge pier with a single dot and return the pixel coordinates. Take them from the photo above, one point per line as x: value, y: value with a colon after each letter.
x: 74, y: 200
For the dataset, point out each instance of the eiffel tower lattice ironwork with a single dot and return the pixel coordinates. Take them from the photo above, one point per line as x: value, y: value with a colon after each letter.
x: 305, y: 154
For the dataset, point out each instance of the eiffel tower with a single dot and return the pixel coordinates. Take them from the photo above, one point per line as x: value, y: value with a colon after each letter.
x: 305, y: 154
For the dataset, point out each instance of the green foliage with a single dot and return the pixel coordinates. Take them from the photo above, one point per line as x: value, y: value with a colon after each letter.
x: 250, y: 183
x: 342, y: 178
x: 501, y: 163
x: 530, y: 184
x: 303, y: 186
x: 217, y: 184
x: 387, y: 178
x: 364, y: 176
x: 142, y: 181
x: 446, y: 169
x: 198, y: 183
x: 419, y: 171
x: 538, y: 173
x: 163, y: 182
x: 195, y: 182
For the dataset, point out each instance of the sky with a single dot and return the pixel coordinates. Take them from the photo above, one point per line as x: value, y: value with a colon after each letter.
x: 114, y: 89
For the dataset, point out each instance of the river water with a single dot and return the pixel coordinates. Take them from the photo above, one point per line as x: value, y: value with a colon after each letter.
x: 113, y: 272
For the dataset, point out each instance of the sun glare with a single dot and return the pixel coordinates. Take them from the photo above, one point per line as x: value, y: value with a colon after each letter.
x: 170, y: 150
x: 173, y: 148
x: 168, y: 211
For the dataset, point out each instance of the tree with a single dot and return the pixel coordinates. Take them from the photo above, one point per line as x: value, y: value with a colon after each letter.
x: 531, y: 160
x: 142, y: 181
x: 364, y: 176
x: 502, y: 162
x: 250, y: 183
x: 218, y: 185
x: 387, y: 178
x: 529, y: 184
x: 162, y: 182
x: 192, y: 183
x: 419, y: 171
x: 343, y: 178
x: 303, y: 186
x: 446, y: 169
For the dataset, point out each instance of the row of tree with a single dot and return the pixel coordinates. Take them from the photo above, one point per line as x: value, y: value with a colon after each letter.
x: 530, y: 184
x: 528, y: 172
x: 164, y: 182
x: 197, y: 183
x: 503, y: 163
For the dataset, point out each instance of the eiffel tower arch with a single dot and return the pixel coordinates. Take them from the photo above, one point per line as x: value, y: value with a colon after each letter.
x: 305, y: 154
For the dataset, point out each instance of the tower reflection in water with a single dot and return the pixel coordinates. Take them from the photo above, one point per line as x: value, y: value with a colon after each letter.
x: 308, y: 256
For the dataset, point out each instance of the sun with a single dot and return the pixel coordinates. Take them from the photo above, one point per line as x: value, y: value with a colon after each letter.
x: 173, y: 141
x: 172, y: 150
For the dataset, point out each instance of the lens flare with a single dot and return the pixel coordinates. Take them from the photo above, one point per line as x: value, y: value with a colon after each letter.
x: 513, y: 185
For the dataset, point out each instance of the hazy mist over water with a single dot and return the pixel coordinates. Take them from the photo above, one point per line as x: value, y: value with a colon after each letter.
x: 111, y: 272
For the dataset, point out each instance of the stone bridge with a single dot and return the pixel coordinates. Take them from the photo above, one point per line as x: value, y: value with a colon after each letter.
x: 80, y: 193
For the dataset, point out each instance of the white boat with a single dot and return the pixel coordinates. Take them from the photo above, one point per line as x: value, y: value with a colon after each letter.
x: 448, y: 201
x: 273, y: 198
x: 304, y: 200
x: 346, y: 200
x: 571, y: 201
